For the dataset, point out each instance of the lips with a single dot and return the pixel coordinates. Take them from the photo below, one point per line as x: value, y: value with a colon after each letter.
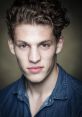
x: 35, y: 69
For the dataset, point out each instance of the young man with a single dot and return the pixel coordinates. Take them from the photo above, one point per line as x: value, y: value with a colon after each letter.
x: 45, y: 89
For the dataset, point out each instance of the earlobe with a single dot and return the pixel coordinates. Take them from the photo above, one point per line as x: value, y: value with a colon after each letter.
x: 59, y: 45
x: 11, y: 46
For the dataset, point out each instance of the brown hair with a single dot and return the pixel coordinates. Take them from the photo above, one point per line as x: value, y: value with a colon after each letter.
x: 37, y: 12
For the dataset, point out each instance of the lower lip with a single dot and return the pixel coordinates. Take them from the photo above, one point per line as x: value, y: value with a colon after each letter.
x: 35, y: 70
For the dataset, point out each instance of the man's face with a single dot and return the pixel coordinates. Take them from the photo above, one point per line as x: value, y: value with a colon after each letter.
x: 35, y: 48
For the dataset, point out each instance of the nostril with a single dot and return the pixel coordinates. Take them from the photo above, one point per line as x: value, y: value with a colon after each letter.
x: 34, y: 62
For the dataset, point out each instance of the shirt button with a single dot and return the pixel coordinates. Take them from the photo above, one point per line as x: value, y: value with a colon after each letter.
x: 50, y: 100
x: 46, y: 104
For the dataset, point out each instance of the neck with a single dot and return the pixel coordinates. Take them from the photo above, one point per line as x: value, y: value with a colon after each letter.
x: 44, y: 88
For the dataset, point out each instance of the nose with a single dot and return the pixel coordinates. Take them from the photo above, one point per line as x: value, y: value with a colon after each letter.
x: 34, y: 55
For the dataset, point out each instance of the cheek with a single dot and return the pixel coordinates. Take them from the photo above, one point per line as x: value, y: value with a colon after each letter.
x: 21, y: 58
x: 49, y: 60
x: 20, y: 54
x: 48, y: 56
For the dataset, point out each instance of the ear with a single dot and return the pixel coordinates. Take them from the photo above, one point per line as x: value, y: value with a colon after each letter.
x: 59, y: 45
x: 11, y: 46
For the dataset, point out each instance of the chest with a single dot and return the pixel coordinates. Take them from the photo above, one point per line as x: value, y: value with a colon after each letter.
x: 56, y: 109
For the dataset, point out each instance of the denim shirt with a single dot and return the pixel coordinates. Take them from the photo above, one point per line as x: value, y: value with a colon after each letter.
x: 65, y: 100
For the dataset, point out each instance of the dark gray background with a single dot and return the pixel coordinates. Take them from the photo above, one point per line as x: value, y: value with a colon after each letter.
x: 70, y: 58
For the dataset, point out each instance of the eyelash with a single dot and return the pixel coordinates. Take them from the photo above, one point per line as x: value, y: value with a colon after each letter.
x: 22, y: 46
x: 45, y: 45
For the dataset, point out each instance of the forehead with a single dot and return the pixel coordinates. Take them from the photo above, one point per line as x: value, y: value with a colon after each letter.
x: 33, y: 33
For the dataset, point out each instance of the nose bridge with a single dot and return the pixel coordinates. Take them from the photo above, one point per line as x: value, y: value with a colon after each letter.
x: 34, y: 54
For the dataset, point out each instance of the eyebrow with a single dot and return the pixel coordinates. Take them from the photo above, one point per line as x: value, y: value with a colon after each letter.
x: 45, y: 41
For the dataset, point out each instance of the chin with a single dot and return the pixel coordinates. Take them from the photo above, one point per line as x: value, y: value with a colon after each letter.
x: 35, y: 78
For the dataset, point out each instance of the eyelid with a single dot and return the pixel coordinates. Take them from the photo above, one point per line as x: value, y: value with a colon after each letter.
x: 22, y: 43
x: 45, y: 43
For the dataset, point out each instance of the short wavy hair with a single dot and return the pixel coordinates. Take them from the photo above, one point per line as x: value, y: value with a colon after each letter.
x: 42, y: 12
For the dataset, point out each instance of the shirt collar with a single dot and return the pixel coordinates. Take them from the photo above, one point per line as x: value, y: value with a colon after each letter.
x: 20, y: 89
x: 60, y: 90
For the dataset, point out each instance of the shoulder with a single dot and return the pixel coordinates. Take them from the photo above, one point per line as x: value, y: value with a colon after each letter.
x: 9, y: 97
x: 9, y: 88
x: 74, y: 85
x: 73, y: 91
x: 6, y: 93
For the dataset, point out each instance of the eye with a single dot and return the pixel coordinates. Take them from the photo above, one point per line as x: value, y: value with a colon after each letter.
x: 22, y: 45
x: 45, y: 45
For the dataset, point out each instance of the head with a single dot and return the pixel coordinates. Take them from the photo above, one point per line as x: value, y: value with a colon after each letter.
x: 35, y: 28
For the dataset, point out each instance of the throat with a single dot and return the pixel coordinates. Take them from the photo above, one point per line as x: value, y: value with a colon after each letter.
x: 36, y: 104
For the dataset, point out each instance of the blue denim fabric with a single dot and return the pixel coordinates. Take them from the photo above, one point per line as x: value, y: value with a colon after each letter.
x: 65, y: 100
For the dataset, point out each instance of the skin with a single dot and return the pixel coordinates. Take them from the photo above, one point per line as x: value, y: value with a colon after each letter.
x: 35, y: 48
x: 31, y: 43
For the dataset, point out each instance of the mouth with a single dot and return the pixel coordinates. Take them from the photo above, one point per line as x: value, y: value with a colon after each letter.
x: 35, y: 69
